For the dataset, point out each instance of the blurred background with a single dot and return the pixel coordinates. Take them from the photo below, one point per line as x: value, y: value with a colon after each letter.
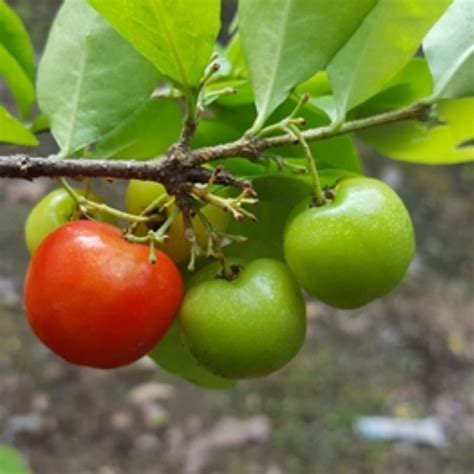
x: 409, y: 356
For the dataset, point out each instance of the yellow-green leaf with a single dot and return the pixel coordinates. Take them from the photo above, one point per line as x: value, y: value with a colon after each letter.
x: 177, y: 36
x: 450, y: 141
x: 13, y: 131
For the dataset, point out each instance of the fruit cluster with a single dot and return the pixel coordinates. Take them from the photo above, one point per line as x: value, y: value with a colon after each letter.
x: 96, y: 299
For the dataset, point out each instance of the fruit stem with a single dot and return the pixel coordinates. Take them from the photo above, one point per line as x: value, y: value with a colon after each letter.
x: 86, y: 205
x: 226, y: 271
x: 233, y: 205
x: 158, y: 203
x: 318, y: 194
x: 160, y: 235
x: 152, y: 257
x: 215, y: 238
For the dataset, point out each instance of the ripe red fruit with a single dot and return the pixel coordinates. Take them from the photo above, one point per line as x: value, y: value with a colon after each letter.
x: 95, y: 300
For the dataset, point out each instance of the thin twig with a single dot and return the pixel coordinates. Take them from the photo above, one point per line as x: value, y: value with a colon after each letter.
x: 164, y: 169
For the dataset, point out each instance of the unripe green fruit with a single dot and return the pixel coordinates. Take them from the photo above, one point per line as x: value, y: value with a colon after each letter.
x: 353, y: 249
x: 54, y: 210
x: 247, y: 327
x: 172, y: 355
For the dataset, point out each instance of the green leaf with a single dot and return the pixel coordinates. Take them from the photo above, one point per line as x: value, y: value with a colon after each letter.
x: 90, y: 79
x: 316, y: 86
x: 380, y: 48
x: 177, y: 36
x: 243, y: 92
x: 223, y: 124
x: 333, y: 153
x: 13, y: 131
x: 40, y: 124
x: 227, y: 124
x: 449, y: 48
x: 286, y: 41
x: 337, y: 152
x: 17, y: 79
x: 11, y: 461
x: 448, y: 142
x: 235, y: 57
x: 14, y: 38
x: 409, y: 86
x: 278, y: 195
x: 146, y: 134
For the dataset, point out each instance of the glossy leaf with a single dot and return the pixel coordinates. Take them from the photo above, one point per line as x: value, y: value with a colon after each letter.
x: 449, y: 48
x: 40, y: 124
x: 146, y: 134
x: 177, y: 36
x: 316, y: 86
x: 17, y: 79
x: 90, y: 78
x: 236, y: 59
x: 278, y: 195
x: 11, y: 461
x: 287, y: 41
x: 223, y: 124
x: 13, y: 131
x: 411, y: 85
x: 381, y: 47
x: 243, y: 92
x: 14, y: 38
x: 228, y: 124
x: 337, y: 152
x: 448, y: 142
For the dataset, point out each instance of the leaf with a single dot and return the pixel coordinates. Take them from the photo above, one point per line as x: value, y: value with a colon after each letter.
x: 146, y: 134
x: 227, y: 124
x: 13, y: 131
x: 243, y: 92
x: 286, y: 41
x: 449, y: 48
x: 382, y: 46
x: 409, y: 86
x: 236, y: 58
x: 177, y: 36
x: 278, y: 195
x: 17, y: 79
x: 223, y: 124
x: 449, y: 142
x: 90, y: 79
x: 40, y: 124
x: 14, y: 38
x: 265, y: 239
x: 316, y: 86
x: 11, y: 461
x: 338, y: 152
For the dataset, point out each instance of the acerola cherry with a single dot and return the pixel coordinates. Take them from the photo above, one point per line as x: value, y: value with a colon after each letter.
x: 353, y: 249
x: 173, y: 356
x: 246, y: 327
x: 54, y: 210
x: 95, y: 299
